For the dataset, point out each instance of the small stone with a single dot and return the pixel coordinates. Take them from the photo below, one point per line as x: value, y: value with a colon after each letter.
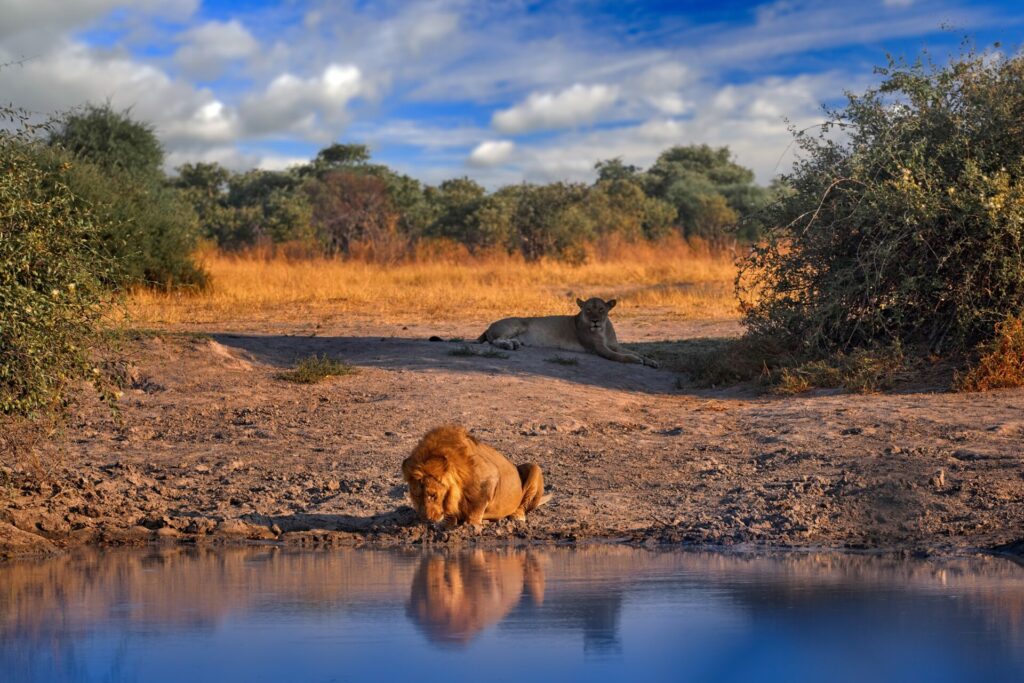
x: 201, y: 469
x: 332, y: 485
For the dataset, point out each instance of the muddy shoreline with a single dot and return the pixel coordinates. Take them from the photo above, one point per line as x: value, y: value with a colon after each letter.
x: 210, y: 447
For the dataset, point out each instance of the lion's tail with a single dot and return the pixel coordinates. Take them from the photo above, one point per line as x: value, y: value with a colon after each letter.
x: 543, y: 499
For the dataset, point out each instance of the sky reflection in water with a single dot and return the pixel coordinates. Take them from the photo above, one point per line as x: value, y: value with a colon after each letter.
x: 601, y: 613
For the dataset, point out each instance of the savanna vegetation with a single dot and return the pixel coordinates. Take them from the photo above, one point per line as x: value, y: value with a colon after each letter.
x: 895, y: 243
x: 901, y: 238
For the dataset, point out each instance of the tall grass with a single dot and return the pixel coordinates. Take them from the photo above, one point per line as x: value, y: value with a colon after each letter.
x: 672, y: 278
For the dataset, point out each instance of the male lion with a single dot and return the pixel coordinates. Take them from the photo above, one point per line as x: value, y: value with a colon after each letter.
x: 454, y: 477
x: 588, y: 330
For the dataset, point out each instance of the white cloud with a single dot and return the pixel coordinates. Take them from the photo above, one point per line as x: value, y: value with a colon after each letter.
x: 209, y: 46
x: 573, y: 106
x: 29, y: 27
x: 747, y: 118
x: 491, y: 153
x: 430, y: 30
x: 302, y: 104
x: 74, y: 75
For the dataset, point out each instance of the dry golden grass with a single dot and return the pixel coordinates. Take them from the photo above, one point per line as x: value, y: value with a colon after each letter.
x: 672, y: 279
x: 1001, y: 364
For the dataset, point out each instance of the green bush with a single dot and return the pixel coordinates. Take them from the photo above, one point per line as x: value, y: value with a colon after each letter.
x: 904, y: 222
x: 51, y: 294
x: 112, y: 165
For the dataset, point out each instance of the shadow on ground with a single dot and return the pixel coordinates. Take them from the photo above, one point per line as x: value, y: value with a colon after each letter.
x: 460, y: 356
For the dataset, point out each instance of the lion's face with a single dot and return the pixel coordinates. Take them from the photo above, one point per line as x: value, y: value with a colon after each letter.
x: 428, y: 485
x: 595, y: 312
x: 430, y: 493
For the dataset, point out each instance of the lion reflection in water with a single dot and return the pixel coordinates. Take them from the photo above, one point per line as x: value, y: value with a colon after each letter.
x: 455, y: 597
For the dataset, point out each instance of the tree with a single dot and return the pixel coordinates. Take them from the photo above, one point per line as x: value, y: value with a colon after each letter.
x: 336, y: 157
x: 456, y: 203
x: 52, y: 296
x: 550, y: 220
x: 613, y: 170
x: 111, y: 140
x: 685, y: 176
x: 112, y: 163
x: 908, y: 228
x: 622, y: 207
x: 350, y: 208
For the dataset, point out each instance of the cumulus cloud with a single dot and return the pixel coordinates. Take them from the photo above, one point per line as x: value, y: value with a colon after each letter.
x: 300, y: 104
x: 491, y: 153
x: 75, y: 74
x: 28, y: 27
x: 573, y: 106
x: 209, y: 46
x: 748, y: 118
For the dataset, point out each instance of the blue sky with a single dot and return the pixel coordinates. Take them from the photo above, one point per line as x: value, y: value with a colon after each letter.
x: 497, y: 91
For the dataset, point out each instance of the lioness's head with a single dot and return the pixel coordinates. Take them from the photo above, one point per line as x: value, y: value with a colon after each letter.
x: 595, y: 312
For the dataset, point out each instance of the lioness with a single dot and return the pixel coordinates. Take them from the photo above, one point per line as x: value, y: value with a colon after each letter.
x: 454, y: 477
x: 588, y: 330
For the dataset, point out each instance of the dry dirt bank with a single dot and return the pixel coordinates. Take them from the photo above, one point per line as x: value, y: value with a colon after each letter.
x: 211, y: 447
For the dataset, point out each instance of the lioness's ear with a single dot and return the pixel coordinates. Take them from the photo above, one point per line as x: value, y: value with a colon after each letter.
x: 579, y: 302
x: 611, y: 304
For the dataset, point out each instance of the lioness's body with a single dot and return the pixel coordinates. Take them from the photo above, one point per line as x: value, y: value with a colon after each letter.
x: 453, y: 476
x: 589, y: 330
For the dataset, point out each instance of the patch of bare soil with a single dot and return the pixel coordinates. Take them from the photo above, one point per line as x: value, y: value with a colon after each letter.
x: 211, y: 447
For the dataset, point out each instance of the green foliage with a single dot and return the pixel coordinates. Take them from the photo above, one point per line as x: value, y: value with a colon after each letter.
x: 111, y: 164
x: 620, y: 206
x: 111, y: 140
x: 709, y: 191
x: 551, y: 220
x: 909, y: 227
x: 313, y: 369
x: 146, y: 229
x: 51, y: 295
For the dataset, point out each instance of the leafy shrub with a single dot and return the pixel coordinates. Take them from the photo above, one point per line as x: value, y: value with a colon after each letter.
x: 905, y: 218
x: 51, y: 294
x: 112, y: 165
x: 1001, y: 363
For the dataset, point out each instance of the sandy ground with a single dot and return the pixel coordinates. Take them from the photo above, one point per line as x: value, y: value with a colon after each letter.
x: 211, y: 447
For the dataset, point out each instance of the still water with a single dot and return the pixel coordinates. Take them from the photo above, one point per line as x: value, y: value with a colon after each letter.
x: 595, y: 614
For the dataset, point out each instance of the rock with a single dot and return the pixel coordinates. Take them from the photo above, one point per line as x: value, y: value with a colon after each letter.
x: 167, y: 532
x: 201, y: 469
x: 236, y: 528
x: 939, y: 480
x: 200, y: 525
x: 332, y: 485
x: 155, y: 522
x: 15, y: 542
